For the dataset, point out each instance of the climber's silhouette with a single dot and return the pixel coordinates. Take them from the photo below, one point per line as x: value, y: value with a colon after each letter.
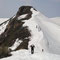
x: 42, y: 50
x: 32, y: 49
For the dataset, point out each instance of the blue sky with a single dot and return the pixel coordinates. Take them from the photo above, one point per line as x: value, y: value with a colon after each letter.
x: 50, y: 8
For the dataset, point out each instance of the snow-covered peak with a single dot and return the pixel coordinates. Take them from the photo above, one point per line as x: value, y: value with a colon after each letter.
x: 28, y: 27
x: 51, y: 31
x: 38, y: 14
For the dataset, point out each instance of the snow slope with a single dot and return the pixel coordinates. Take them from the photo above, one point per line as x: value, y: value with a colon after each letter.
x: 55, y: 20
x: 3, y: 19
x: 25, y: 55
x: 51, y: 32
x: 45, y: 35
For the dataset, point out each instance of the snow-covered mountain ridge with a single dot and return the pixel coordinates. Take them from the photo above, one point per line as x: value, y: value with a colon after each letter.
x: 51, y: 32
x: 27, y: 27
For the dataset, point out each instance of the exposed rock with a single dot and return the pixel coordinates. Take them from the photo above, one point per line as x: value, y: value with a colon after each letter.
x: 4, y: 51
x: 15, y: 29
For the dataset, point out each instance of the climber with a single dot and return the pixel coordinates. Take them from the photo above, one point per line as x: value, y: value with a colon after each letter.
x: 42, y: 50
x: 32, y: 49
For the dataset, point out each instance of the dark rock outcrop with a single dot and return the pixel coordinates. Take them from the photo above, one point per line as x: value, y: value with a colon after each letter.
x: 15, y: 29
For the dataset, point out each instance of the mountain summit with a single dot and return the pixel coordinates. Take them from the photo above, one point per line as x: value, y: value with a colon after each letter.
x: 28, y: 26
x: 15, y: 31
